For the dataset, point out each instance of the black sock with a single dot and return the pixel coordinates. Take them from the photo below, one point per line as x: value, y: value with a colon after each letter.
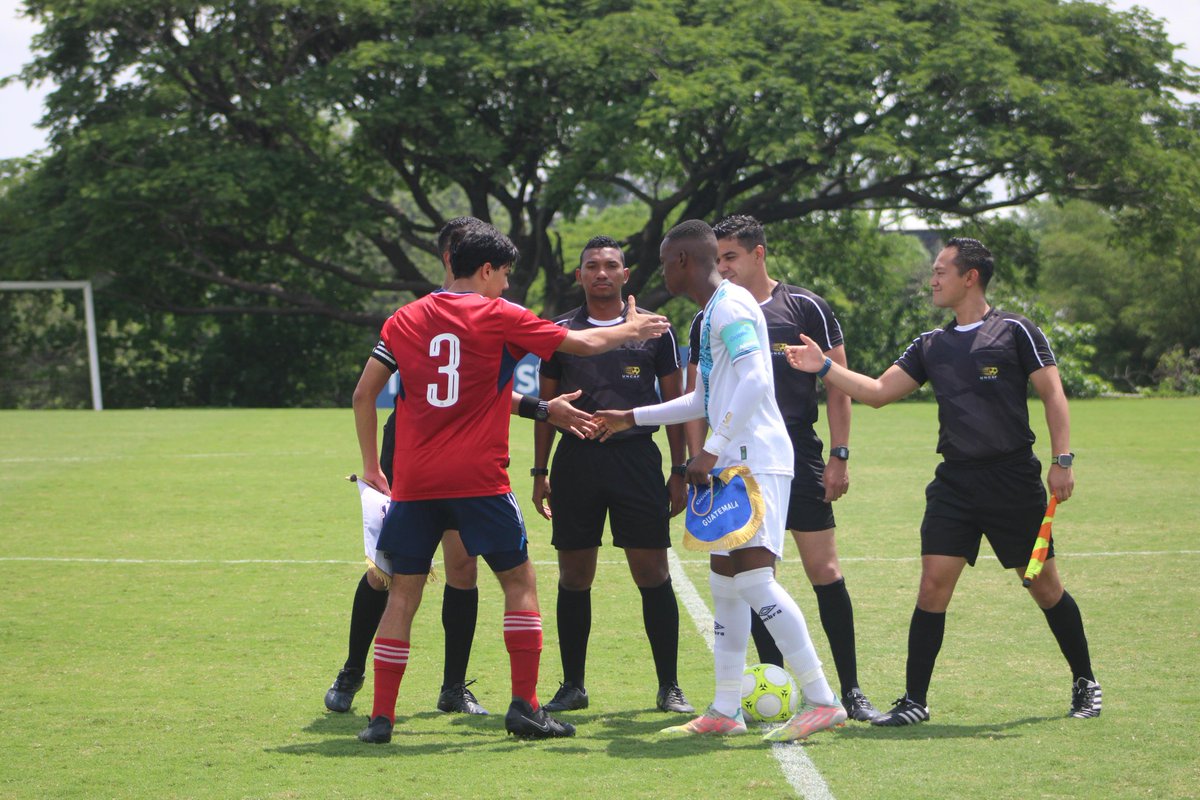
x: 925, y: 634
x: 1066, y: 623
x: 837, y: 618
x: 460, y: 609
x: 574, y: 628
x: 764, y: 643
x: 660, y: 615
x: 364, y: 620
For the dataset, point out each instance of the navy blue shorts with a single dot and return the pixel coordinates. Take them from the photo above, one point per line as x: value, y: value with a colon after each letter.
x: 490, y: 526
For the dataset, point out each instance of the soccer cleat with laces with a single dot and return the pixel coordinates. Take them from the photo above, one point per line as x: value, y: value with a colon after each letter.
x: 569, y: 697
x: 525, y: 723
x: 671, y: 699
x: 341, y: 694
x: 905, y: 712
x: 712, y: 723
x: 858, y: 707
x: 378, y: 731
x: 1085, y: 699
x: 810, y: 719
x: 458, y: 699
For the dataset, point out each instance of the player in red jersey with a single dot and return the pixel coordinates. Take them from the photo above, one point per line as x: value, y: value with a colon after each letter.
x: 454, y: 353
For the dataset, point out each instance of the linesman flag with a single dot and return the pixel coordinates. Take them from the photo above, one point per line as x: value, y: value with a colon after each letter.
x: 1041, y: 548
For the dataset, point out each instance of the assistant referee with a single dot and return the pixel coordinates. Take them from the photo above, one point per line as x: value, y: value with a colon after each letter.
x: 620, y: 478
x: 989, y: 482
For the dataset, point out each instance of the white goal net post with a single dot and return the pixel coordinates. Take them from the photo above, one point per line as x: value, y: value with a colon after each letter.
x: 89, y: 316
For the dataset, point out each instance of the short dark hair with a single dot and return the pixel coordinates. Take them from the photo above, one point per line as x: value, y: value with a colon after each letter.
x: 480, y: 244
x: 452, y: 231
x: 690, y: 229
x: 971, y: 254
x: 597, y: 242
x: 744, y: 228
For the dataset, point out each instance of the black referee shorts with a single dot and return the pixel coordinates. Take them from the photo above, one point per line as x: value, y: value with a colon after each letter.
x: 622, y: 479
x: 1002, y: 500
x: 807, y: 509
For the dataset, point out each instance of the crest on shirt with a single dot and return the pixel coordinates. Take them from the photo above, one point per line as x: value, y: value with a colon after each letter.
x: 631, y: 373
x: 989, y: 373
x: 779, y: 349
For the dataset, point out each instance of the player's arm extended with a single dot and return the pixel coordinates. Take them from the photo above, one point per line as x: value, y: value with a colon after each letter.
x: 637, y: 327
x: 892, y: 385
x: 1048, y: 384
x: 366, y: 421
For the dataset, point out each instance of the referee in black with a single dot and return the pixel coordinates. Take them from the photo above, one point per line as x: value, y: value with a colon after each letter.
x: 621, y: 478
x: 989, y: 482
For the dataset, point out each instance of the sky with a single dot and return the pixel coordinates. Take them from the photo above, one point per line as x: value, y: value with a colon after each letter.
x: 21, y: 107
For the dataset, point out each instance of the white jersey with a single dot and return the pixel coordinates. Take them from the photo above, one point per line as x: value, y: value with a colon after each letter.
x: 734, y: 328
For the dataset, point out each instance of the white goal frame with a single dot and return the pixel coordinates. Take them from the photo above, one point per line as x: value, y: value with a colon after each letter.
x: 89, y: 313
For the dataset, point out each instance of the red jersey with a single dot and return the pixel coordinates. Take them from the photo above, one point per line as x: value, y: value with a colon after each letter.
x: 455, y: 355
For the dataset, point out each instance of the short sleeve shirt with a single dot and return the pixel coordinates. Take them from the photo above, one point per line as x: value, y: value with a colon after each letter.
x: 619, y: 379
x: 455, y: 354
x: 980, y: 377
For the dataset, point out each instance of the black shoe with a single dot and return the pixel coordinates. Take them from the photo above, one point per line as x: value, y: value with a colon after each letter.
x: 341, y: 694
x: 1085, y: 699
x: 522, y: 721
x: 378, y: 731
x: 569, y: 697
x: 905, y: 712
x: 858, y: 707
x: 458, y: 699
x: 670, y: 698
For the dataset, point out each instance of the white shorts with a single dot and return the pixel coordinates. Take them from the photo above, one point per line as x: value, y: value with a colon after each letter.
x: 776, y: 490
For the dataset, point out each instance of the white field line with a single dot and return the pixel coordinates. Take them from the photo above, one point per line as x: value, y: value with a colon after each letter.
x: 797, y: 767
x: 119, y: 457
x: 676, y: 561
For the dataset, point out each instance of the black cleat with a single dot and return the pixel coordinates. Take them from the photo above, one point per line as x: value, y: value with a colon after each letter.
x: 905, y: 712
x: 1085, y: 699
x: 341, y: 694
x: 671, y: 699
x: 569, y: 697
x: 458, y: 699
x: 378, y: 731
x: 525, y: 723
x: 858, y: 707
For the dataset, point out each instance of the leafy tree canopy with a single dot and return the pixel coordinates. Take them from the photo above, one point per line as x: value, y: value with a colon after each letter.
x: 297, y: 159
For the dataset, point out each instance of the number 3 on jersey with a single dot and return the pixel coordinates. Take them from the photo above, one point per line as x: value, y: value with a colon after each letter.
x: 450, y: 370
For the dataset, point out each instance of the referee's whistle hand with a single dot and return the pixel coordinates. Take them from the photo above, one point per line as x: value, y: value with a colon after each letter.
x: 541, y: 496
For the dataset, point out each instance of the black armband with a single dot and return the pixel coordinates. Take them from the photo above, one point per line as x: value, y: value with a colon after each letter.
x: 528, y: 407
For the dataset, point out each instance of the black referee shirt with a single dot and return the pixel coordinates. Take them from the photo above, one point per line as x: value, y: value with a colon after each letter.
x: 790, y: 311
x: 980, y: 376
x: 619, y: 379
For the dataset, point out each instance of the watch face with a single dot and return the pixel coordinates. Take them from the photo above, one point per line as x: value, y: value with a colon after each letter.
x: 1065, y: 460
x: 543, y: 412
x: 840, y: 452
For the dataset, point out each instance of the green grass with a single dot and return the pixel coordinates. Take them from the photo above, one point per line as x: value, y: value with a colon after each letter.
x: 182, y: 673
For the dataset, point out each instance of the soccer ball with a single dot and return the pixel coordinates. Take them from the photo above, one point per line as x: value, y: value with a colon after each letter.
x: 768, y: 693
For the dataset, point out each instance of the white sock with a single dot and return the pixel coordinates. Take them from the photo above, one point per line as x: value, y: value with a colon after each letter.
x: 785, y: 621
x: 731, y: 634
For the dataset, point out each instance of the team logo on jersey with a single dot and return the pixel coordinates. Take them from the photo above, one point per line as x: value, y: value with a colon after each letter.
x: 989, y: 373
x: 632, y: 373
x: 779, y: 349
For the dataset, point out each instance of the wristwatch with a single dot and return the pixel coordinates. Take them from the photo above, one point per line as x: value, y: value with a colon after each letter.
x: 536, y: 471
x: 1064, y: 460
x: 841, y: 451
x: 679, y: 469
x: 542, y: 413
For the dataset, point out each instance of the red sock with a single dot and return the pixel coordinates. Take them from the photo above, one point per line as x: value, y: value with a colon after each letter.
x: 523, y: 639
x: 391, y: 657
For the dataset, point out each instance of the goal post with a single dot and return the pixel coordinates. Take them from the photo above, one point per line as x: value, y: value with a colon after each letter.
x: 89, y: 314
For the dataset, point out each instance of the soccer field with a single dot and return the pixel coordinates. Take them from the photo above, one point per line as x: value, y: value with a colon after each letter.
x: 177, y: 585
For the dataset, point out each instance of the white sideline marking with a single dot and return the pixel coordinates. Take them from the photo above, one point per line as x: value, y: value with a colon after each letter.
x: 675, y: 560
x: 798, y: 768
x: 119, y: 456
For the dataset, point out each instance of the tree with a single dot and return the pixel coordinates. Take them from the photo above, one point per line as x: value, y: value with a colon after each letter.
x: 289, y: 160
